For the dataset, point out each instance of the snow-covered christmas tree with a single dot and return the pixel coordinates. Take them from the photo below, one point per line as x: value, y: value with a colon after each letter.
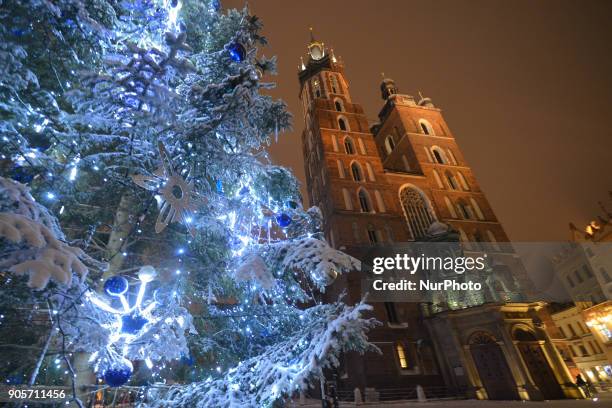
x: 146, y: 240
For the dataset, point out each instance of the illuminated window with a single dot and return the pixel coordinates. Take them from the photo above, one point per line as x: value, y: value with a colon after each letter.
x: 401, y: 356
x: 356, y: 170
x: 364, y: 201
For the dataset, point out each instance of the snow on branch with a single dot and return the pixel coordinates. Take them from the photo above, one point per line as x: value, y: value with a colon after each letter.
x: 324, y: 331
x: 33, y: 241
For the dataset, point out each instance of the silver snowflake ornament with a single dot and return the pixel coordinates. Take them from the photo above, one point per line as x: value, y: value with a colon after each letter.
x: 178, y: 199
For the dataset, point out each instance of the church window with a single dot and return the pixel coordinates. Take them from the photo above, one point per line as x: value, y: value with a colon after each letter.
x: 342, y: 124
x: 426, y: 127
x: 401, y: 356
x: 356, y: 170
x: 438, y: 155
x: 452, y: 182
x: 389, y: 144
x: 349, y: 147
x: 416, y: 209
x: 364, y: 201
x: 339, y: 105
x: 465, y: 210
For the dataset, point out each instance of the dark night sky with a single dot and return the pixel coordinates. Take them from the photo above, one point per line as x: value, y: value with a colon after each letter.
x: 525, y: 86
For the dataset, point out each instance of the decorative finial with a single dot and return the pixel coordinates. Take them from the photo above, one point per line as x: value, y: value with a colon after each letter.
x: 302, y: 66
x: 421, y: 95
x: 312, y: 39
x: 382, y: 74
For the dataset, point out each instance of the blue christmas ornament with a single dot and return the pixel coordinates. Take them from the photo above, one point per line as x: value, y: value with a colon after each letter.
x: 220, y: 187
x: 132, y: 323
x: 118, y: 374
x: 283, y: 220
x: 116, y: 285
x: 237, y: 52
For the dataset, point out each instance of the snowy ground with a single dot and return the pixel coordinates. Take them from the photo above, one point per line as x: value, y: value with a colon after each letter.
x: 603, y: 401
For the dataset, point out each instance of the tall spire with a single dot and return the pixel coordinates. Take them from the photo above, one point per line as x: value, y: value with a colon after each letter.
x: 312, y: 39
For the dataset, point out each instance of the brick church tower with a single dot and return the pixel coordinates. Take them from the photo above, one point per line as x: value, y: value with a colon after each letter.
x: 388, y: 183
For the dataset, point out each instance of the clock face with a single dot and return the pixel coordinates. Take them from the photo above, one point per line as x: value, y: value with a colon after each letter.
x: 316, y: 51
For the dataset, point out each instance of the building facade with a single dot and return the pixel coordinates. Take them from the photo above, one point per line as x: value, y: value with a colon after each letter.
x: 391, y: 182
x: 584, y: 267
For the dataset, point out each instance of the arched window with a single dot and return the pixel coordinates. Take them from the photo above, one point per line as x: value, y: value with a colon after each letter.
x: 417, y: 211
x: 348, y: 203
x: 465, y: 210
x: 439, y: 155
x: 349, y: 147
x: 426, y: 127
x: 450, y: 207
x: 401, y: 356
x: 370, y: 172
x: 389, y: 144
x: 364, y: 201
x: 438, y: 179
x: 342, y: 124
x: 452, y: 181
x: 356, y: 171
x: 334, y: 142
x: 463, y: 181
x: 339, y: 105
